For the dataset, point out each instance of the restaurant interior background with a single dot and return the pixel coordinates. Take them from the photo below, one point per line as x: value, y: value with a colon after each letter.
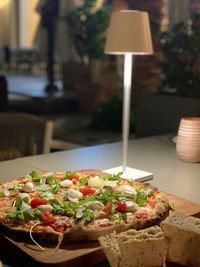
x: 53, y: 66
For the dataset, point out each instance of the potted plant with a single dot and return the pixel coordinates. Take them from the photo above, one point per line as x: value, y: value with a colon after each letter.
x: 178, y: 94
x: 87, y: 25
x: 181, y: 59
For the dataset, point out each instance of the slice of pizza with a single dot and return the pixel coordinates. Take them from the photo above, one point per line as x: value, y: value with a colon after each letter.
x: 80, y: 205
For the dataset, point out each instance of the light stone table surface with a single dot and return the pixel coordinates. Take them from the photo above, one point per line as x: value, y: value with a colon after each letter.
x: 153, y: 154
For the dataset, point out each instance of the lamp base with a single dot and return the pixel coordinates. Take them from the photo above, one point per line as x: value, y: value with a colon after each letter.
x: 131, y: 173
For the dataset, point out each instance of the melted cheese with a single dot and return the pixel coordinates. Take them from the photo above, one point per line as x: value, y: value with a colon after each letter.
x: 96, y: 182
x: 28, y: 187
x: 72, y: 193
x: 126, y: 189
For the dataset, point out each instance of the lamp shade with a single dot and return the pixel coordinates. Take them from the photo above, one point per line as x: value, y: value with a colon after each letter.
x: 129, y: 32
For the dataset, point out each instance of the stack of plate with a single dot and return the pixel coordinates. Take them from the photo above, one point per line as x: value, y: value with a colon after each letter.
x: 188, y: 140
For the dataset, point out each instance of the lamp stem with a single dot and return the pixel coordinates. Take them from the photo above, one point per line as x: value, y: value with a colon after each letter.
x: 126, y: 107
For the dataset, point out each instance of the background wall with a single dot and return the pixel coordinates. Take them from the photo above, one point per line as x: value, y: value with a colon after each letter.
x: 8, y: 22
x: 28, y: 22
x: 18, y: 20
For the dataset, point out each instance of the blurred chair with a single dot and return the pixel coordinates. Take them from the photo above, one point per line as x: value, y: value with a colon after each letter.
x: 24, y: 134
x: 50, y: 143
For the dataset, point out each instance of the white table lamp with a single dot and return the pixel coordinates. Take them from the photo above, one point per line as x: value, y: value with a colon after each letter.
x: 128, y: 34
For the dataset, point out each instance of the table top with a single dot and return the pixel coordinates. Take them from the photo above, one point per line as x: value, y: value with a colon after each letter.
x: 155, y: 154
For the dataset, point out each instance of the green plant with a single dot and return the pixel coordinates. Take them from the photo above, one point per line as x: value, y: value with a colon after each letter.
x: 108, y: 117
x: 181, y: 59
x: 87, y: 28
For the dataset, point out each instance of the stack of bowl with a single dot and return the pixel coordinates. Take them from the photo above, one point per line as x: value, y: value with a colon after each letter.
x: 188, y: 139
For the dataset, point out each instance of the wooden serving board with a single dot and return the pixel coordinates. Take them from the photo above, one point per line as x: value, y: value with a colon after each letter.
x: 75, y: 253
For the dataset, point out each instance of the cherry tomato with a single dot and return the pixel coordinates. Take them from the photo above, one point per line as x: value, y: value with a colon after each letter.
x: 102, y: 215
x: 121, y: 206
x: 151, y: 202
x: 87, y: 190
x: 74, y: 178
x: 60, y: 224
x: 47, y: 217
x: 37, y: 202
x: 141, y: 216
x: 108, y: 207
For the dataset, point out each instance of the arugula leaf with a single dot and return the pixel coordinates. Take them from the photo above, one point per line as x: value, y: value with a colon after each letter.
x: 109, y: 195
x: 83, y: 181
x: 70, y: 209
x: 147, y: 191
x: 18, y: 187
x: 119, y: 216
x: 54, y: 184
x: 57, y: 206
x: 1, y: 193
x: 25, y: 215
x: 34, y: 175
x: 42, y: 188
x: 54, y: 189
x: 20, y: 202
x: 142, y: 195
x: 117, y: 176
x: 22, y: 211
x: 87, y: 200
x: 141, y: 198
x: 37, y: 213
x: 67, y: 208
x: 114, y: 177
x: 88, y: 215
x: 51, y: 180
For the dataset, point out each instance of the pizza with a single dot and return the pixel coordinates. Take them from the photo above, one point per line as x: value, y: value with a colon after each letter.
x: 82, y: 205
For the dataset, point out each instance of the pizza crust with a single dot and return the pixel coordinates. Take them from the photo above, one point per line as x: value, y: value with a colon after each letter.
x: 23, y: 234
x: 94, y: 232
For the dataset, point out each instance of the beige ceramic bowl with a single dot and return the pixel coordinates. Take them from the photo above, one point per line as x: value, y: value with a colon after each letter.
x: 187, y: 153
x: 190, y: 121
x: 188, y: 139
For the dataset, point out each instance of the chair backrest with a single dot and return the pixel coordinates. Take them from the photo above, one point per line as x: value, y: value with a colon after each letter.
x: 23, y: 134
x: 56, y: 144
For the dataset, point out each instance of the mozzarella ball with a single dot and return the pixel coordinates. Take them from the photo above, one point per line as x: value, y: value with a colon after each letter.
x: 28, y: 187
x: 74, y: 194
x: 131, y: 206
x: 96, y: 205
x: 66, y: 183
